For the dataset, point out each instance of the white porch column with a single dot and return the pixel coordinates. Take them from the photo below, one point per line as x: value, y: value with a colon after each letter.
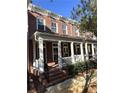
x: 86, y: 49
x: 34, y: 55
x: 59, y: 54
x: 41, y: 58
x: 93, y: 54
x: 82, y: 53
x: 72, y: 52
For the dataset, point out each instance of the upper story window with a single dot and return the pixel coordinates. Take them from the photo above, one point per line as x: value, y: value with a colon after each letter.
x: 53, y: 27
x: 74, y: 29
x: 64, y: 28
x: 40, y: 24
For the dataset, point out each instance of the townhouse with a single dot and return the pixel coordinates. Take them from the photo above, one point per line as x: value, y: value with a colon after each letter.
x: 55, y: 41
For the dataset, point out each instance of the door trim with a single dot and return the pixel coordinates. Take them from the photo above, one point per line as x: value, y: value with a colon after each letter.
x: 53, y: 49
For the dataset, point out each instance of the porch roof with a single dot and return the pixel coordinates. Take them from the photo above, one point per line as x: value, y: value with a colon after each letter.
x: 55, y: 36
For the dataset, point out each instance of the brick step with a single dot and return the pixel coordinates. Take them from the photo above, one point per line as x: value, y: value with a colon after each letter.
x: 56, y: 72
x: 51, y: 83
x: 54, y: 69
x: 55, y: 77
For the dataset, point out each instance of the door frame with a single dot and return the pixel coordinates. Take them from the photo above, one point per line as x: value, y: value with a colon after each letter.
x: 53, y: 50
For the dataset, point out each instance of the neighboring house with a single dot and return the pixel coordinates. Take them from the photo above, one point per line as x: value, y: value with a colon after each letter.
x: 55, y: 41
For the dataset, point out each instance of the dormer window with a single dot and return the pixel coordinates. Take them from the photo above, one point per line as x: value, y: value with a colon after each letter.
x: 64, y: 28
x: 53, y: 27
x: 74, y: 29
x: 40, y: 24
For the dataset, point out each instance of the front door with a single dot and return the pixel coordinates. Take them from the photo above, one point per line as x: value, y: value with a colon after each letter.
x: 55, y: 52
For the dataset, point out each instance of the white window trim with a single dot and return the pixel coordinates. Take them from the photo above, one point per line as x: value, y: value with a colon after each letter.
x: 66, y: 32
x: 56, y: 27
x: 76, y: 30
x: 66, y: 29
x: 73, y: 28
x: 44, y: 23
x: 78, y: 34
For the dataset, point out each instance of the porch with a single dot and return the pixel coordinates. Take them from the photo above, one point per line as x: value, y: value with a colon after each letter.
x: 51, y: 54
x: 51, y: 50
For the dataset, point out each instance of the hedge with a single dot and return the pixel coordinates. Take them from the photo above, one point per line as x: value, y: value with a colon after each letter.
x: 74, y: 69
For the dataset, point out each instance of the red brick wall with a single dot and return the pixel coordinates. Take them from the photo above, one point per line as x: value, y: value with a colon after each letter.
x: 30, y: 53
x: 59, y: 27
x: 69, y: 29
x: 32, y: 24
x: 48, y: 23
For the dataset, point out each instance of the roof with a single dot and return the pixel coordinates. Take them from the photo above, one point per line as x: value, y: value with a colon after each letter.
x: 38, y: 9
x: 64, y: 37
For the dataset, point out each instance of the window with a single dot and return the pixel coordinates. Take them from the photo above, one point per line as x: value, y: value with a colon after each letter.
x: 74, y: 29
x: 40, y: 24
x: 89, y: 47
x: 64, y: 27
x: 77, y: 50
x: 53, y: 26
x: 66, y: 51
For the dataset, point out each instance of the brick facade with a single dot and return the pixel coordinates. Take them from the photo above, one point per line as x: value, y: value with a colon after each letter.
x: 32, y: 16
x: 50, y: 52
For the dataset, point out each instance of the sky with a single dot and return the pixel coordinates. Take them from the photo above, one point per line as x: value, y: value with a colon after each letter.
x: 61, y: 7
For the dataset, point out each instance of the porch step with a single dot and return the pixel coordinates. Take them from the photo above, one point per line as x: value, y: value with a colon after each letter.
x: 52, y: 65
x: 54, y: 69
x: 56, y: 75
x: 51, y: 83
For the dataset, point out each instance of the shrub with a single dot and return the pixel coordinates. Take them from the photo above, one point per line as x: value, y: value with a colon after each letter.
x: 74, y: 69
x: 71, y: 69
